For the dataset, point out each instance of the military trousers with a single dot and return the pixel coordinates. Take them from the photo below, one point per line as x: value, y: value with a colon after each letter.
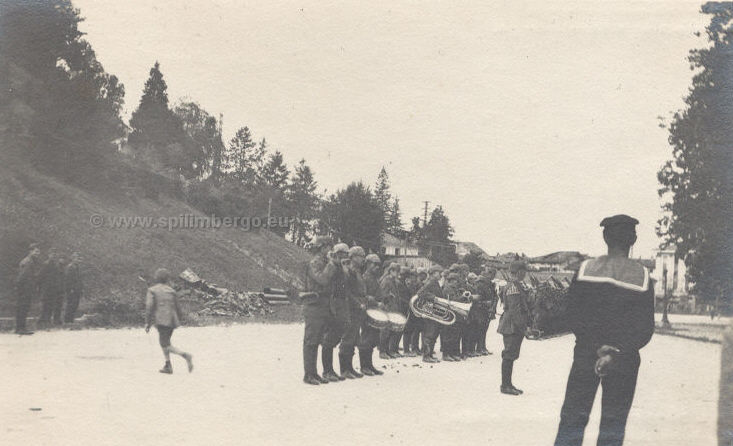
x: 431, y: 331
x: 512, y: 345
x: 618, y: 394
x: 337, y: 323
x: 352, y: 328
x: 72, y: 304
x: 22, y: 305
x: 316, y: 316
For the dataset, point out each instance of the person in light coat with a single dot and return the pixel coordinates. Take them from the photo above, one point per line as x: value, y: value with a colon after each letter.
x: 163, y: 311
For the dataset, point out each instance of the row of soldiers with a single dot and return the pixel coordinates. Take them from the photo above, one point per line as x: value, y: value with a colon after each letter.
x: 342, y: 283
x: 57, y: 280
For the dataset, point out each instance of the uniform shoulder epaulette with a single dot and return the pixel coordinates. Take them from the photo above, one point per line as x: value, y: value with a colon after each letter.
x: 511, y: 288
x: 623, y: 273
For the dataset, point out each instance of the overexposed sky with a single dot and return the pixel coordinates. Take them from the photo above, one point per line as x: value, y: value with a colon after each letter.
x: 528, y: 121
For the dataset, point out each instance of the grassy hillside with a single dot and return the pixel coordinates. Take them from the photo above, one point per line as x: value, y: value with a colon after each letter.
x: 38, y: 208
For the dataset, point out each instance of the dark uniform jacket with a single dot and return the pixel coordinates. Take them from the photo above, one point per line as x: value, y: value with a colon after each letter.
x: 356, y: 290
x: 515, y: 319
x: 27, y: 274
x: 611, y: 302
x: 484, y: 309
x: 371, y: 281
x: 52, y: 279
x: 319, y: 273
x: 430, y: 290
x: 72, y: 279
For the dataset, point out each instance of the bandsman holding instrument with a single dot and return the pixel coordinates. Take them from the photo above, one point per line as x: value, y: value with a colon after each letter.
x: 388, y: 339
x: 450, y: 335
x: 431, y: 329
x: 611, y: 313
x: 513, y: 324
x: 369, y: 337
x: 357, y: 302
x: 339, y: 315
x: 407, y: 290
x: 318, y: 279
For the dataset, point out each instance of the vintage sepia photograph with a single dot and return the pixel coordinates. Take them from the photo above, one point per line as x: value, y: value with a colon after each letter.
x: 236, y: 222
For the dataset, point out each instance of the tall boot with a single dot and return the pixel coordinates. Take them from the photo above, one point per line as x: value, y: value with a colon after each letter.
x: 394, y: 345
x: 364, y: 361
x: 345, y: 365
x: 384, y: 344
x: 506, y: 378
x: 327, y: 359
x: 370, y: 358
x: 310, y: 359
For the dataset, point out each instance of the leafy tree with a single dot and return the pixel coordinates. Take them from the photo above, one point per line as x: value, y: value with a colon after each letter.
x: 304, y: 202
x: 435, y: 238
x: 204, y: 145
x: 697, y: 185
x: 56, y: 101
x: 275, y: 173
x: 354, y: 216
x: 243, y: 157
x: 474, y: 259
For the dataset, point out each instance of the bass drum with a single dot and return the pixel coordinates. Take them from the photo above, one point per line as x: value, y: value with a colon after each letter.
x: 397, y: 322
x: 377, y: 318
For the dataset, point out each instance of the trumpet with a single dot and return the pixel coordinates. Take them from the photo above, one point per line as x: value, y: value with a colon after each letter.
x: 442, y: 311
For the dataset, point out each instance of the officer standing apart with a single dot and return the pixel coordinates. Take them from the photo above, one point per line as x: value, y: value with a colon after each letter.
x: 316, y: 312
x: 611, y: 313
x: 26, y: 287
x: 513, y: 324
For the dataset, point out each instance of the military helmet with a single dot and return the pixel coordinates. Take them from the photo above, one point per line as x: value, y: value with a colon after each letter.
x: 356, y: 251
x: 436, y: 269
x: 341, y: 248
x: 373, y: 258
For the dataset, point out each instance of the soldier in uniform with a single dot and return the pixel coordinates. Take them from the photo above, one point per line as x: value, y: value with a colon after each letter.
x: 450, y: 335
x: 408, y: 288
x: 26, y: 286
x: 357, y: 302
x: 339, y: 312
x: 421, y: 278
x: 51, y: 279
x: 611, y: 313
x: 513, y: 324
x: 388, y: 340
x: 72, y: 288
x: 431, y: 329
x: 319, y: 273
x: 369, y: 337
x: 487, y: 308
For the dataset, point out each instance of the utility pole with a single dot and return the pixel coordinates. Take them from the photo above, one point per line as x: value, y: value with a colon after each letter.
x: 425, y: 214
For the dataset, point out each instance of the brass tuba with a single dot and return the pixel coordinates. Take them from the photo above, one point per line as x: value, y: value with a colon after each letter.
x: 442, y: 311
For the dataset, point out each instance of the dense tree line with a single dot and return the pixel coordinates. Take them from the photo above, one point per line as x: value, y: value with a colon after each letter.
x: 62, y: 111
x: 697, y: 184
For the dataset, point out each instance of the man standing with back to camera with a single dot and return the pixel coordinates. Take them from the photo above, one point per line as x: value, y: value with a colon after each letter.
x: 611, y: 313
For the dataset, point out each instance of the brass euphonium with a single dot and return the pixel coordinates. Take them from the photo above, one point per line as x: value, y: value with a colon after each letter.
x: 442, y: 311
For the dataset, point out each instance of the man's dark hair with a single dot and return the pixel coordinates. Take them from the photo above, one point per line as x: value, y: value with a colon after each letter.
x: 620, y: 236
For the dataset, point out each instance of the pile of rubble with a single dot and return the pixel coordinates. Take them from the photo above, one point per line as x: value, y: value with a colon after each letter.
x: 222, y: 301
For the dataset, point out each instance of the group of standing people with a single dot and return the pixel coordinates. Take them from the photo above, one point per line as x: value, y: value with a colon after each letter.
x: 342, y: 283
x: 58, y: 283
x: 611, y: 314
